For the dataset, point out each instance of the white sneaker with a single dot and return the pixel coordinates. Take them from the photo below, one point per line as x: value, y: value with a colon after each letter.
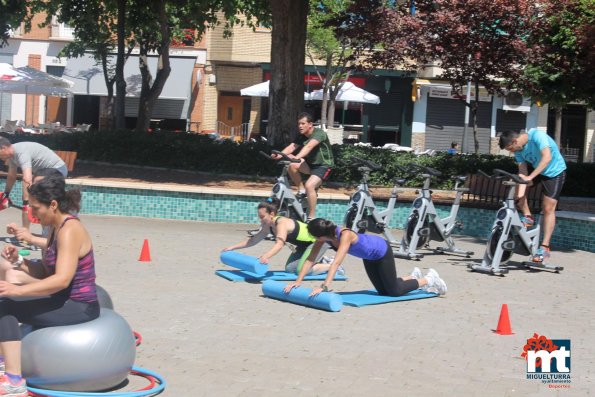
x: 341, y: 270
x: 326, y: 259
x: 435, y: 283
x: 417, y: 274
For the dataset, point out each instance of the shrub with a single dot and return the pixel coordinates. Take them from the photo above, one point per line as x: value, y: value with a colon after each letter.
x: 201, y: 153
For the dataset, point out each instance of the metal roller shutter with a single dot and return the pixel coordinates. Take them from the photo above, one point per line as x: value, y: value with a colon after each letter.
x: 164, y: 108
x: 445, y: 123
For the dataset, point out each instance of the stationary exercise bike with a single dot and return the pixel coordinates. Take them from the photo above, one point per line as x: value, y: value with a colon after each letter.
x: 509, y: 235
x: 290, y: 205
x: 363, y: 215
x: 424, y: 224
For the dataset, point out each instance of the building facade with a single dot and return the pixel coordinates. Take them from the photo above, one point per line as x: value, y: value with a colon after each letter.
x: 202, y: 95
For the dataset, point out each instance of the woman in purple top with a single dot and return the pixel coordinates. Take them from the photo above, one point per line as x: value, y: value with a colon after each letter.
x: 378, y: 258
x: 65, y: 294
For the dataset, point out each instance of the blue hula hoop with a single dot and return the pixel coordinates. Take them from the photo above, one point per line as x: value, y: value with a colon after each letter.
x: 143, y: 393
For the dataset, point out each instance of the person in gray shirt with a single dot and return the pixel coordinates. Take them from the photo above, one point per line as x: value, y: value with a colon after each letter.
x: 29, y: 157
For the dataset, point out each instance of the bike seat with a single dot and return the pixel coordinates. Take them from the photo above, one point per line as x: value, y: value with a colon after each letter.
x: 460, y: 178
x: 400, y: 181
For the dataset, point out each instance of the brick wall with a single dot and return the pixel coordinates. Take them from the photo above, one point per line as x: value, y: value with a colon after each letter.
x: 230, y: 79
x: 244, y: 45
x: 36, y: 32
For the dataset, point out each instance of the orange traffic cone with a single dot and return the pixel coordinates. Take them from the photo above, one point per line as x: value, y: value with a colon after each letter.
x: 145, y: 256
x: 504, y: 322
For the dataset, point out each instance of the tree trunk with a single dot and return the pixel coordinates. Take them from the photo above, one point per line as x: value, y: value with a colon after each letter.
x: 558, y: 127
x: 324, y: 109
x: 150, y: 90
x: 286, y: 93
x: 474, y: 108
x: 109, y: 84
x: 119, y: 103
x: 331, y: 114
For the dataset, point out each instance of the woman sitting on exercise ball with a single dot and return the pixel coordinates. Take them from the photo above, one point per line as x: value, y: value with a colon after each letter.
x: 65, y: 296
x: 378, y: 258
x: 284, y: 230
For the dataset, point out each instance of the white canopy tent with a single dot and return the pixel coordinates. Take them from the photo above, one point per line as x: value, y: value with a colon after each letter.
x: 348, y: 93
x: 262, y: 90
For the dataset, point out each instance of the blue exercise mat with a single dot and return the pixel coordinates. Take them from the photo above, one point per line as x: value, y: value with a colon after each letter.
x: 278, y: 275
x: 371, y: 297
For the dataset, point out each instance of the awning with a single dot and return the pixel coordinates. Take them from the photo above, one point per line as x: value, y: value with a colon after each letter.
x: 88, y: 76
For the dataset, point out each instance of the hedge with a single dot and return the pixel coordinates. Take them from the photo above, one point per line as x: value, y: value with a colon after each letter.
x: 201, y: 153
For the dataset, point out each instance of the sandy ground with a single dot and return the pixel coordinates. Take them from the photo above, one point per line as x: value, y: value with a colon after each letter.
x: 211, y: 337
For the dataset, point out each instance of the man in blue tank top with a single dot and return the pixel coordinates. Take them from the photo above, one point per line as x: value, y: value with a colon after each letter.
x: 549, y: 168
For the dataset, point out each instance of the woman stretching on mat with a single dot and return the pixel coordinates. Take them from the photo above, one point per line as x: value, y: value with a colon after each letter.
x: 66, y: 295
x: 284, y: 230
x: 377, y: 254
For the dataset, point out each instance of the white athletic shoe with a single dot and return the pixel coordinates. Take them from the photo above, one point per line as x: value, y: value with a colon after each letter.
x: 435, y: 283
x: 326, y: 259
x: 341, y: 270
x: 416, y: 273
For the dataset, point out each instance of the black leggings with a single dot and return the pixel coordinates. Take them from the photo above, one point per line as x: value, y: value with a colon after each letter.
x: 42, y: 312
x: 383, y: 275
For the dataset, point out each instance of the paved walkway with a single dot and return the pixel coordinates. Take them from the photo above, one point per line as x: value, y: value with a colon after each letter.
x: 211, y: 337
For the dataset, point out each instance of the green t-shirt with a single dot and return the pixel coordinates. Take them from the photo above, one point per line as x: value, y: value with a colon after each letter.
x: 322, y: 154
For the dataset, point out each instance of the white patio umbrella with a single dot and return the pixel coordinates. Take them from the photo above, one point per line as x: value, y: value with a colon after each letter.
x: 349, y: 93
x: 262, y: 90
x: 26, y: 80
x: 29, y: 81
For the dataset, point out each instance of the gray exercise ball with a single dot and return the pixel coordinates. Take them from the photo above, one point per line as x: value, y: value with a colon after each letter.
x: 92, y: 356
x: 103, y: 298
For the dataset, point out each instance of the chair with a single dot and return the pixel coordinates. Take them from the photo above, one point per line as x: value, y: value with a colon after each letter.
x: 10, y: 126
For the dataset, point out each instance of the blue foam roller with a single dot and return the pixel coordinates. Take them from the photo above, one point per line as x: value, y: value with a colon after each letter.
x: 243, y: 262
x: 325, y: 300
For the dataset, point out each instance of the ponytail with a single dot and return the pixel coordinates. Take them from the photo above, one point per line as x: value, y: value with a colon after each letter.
x: 321, y: 228
x: 271, y: 205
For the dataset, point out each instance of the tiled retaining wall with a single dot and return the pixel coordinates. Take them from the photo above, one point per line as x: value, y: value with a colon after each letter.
x: 573, y: 230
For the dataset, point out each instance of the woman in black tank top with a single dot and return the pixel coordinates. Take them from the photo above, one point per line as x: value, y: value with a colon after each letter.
x: 284, y: 230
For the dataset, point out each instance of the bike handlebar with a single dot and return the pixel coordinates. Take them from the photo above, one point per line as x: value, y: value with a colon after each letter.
x: 498, y: 173
x: 367, y: 163
x: 283, y: 156
x: 514, y: 177
x: 429, y: 170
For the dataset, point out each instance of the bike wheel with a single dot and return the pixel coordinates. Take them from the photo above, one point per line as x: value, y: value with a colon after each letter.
x: 493, y: 245
x: 410, y: 229
x: 350, y: 217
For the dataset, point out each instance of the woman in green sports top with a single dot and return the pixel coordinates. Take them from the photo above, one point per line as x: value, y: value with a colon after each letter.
x: 285, y: 230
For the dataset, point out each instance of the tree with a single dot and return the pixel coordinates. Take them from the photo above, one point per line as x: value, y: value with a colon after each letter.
x: 561, y: 66
x: 153, y: 23
x: 286, y: 90
x: 473, y: 41
x: 12, y: 13
x: 322, y: 43
x: 97, y: 26
x: 148, y: 25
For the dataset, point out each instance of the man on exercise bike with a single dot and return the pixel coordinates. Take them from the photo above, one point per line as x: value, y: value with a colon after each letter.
x: 540, y: 150
x: 316, y: 157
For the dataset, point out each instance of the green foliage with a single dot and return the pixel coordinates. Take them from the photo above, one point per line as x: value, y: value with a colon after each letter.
x: 201, y: 153
x: 561, y: 68
x: 12, y: 13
